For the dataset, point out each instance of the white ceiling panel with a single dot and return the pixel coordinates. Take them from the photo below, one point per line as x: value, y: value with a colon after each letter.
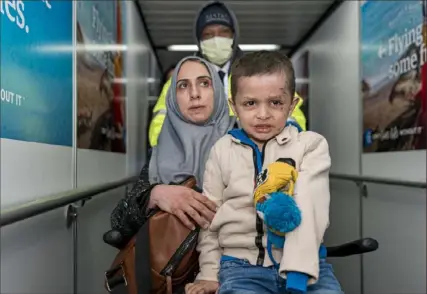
x: 279, y: 22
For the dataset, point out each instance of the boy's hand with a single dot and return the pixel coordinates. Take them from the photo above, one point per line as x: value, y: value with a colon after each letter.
x: 202, y: 287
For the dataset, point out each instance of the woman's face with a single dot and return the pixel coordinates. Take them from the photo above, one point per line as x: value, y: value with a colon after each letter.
x: 194, y: 92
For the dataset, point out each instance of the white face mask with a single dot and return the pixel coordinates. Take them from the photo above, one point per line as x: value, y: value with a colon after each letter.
x: 217, y: 50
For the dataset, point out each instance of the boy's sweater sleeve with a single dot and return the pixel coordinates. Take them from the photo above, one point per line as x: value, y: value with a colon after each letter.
x: 312, y: 197
x: 208, y: 246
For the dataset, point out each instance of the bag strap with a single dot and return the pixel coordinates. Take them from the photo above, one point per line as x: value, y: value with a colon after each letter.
x: 142, y: 260
x: 113, y: 279
x: 168, y: 284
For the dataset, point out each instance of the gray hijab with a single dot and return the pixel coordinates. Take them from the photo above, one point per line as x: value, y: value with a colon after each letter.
x: 183, y: 147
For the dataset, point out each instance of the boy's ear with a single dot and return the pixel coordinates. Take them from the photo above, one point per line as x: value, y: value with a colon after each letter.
x: 294, y: 103
x: 232, y: 104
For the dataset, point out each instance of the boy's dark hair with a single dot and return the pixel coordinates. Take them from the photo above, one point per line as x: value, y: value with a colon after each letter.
x: 261, y: 63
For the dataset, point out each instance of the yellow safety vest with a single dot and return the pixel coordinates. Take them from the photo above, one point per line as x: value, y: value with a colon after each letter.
x: 159, y: 113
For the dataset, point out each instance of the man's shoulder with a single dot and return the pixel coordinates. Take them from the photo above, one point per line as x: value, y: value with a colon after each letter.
x: 161, y: 101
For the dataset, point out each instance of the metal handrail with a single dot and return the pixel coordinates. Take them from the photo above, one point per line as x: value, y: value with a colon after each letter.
x: 375, y: 180
x: 49, y: 203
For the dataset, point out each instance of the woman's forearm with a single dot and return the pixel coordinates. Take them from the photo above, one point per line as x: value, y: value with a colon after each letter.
x: 130, y: 211
x: 152, y: 197
x: 151, y: 202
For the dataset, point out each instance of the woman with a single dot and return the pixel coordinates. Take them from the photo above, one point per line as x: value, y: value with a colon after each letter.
x: 197, y: 117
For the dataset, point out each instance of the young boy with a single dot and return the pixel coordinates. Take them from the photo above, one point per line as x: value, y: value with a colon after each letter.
x: 233, y: 255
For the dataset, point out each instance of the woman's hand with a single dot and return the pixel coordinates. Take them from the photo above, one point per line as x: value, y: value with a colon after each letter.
x: 202, y: 287
x: 184, y: 202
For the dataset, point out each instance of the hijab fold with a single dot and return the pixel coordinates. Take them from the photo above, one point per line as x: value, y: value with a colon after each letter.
x: 183, y: 147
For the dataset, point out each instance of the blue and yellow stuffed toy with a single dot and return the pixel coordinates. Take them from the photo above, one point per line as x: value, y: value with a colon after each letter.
x: 274, y: 203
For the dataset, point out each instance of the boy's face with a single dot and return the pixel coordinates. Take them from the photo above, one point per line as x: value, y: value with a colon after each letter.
x: 263, y: 104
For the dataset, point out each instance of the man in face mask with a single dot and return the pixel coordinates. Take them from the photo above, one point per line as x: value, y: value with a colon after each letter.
x: 216, y: 33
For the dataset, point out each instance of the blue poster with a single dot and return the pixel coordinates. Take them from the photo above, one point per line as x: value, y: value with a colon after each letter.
x: 393, y: 75
x: 36, y: 78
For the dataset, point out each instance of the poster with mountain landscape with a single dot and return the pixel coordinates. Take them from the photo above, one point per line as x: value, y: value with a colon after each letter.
x: 393, y: 75
x: 101, y: 89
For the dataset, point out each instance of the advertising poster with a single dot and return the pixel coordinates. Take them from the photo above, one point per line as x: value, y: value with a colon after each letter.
x: 100, y: 76
x: 36, y: 83
x: 302, y: 82
x: 393, y: 75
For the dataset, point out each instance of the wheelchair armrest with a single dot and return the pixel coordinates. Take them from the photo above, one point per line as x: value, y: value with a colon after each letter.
x: 361, y: 246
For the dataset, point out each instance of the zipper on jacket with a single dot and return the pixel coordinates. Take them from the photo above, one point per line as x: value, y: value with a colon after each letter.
x: 259, y: 225
x: 259, y: 222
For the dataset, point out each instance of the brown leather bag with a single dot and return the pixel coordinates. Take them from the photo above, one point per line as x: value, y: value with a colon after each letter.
x: 172, y: 256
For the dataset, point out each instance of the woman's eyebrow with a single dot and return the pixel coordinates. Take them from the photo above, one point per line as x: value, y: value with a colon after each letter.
x: 204, y: 77
x: 198, y: 78
x: 182, y: 80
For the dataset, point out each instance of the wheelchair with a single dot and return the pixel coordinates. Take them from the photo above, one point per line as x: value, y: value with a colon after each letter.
x: 356, y: 247
x: 113, y: 238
